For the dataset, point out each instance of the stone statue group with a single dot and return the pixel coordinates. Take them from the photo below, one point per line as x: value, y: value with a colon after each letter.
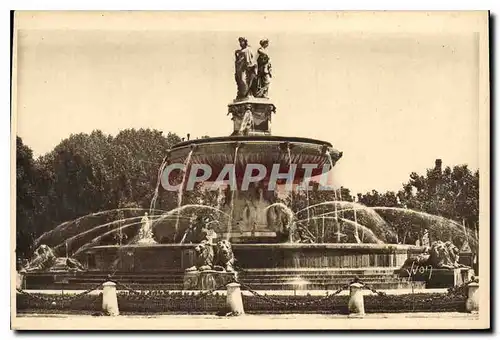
x: 252, y: 72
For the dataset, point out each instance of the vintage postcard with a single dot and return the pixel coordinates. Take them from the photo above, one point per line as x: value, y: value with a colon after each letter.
x: 250, y: 170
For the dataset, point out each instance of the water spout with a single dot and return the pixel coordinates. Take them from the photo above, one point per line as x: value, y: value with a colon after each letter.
x: 158, y: 182
x: 181, y: 188
x: 289, y: 167
x: 230, y: 221
x: 63, y: 226
x: 246, y: 123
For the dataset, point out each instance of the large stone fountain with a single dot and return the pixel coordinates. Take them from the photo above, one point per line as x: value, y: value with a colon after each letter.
x: 260, y: 230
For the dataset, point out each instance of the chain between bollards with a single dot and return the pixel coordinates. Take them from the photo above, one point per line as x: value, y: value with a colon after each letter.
x: 62, y: 297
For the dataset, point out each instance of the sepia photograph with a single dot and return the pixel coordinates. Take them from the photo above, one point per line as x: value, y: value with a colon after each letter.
x: 250, y: 170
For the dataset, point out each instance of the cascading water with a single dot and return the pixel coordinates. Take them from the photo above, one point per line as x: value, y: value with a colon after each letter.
x: 246, y: 123
x: 158, y: 182
x: 63, y: 226
x: 307, y: 202
x: 97, y: 228
x: 376, y: 222
x: 356, y: 235
x: 230, y: 222
x: 289, y: 167
x: 336, y: 213
x: 434, y: 223
x: 181, y: 188
x: 339, y: 232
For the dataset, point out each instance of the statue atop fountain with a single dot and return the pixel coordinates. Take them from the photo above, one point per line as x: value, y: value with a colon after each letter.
x: 252, y: 74
x: 251, y: 110
x: 245, y: 67
x: 264, y: 74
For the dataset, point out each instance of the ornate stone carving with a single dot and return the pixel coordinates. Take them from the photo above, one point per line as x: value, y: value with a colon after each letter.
x: 208, y: 256
x: 204, y: 256
x: 45, y: 260
x: 207, y: 280
x: 251, y: 116
x: 224, y: 256
x: 441, y: 255
x: 145, y: 234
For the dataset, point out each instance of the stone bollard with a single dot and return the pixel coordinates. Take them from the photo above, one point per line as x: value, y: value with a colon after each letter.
x: 356, y: 302
x: 472, y: 303
x: 234, y: 300
x: 109, y: 299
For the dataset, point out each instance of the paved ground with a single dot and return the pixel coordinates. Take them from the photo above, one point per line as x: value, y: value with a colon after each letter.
x: 253, y: 322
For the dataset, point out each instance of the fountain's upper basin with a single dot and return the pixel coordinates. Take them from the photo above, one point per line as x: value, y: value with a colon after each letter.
x: 263, y: 150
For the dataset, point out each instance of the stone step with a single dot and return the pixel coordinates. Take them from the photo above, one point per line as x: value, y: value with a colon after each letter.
x: 320, y: 280
x: 323, y: 269
x: 377, y: 286
x: 260, y: 286
x: 326, y: 274
x: 259, y: 279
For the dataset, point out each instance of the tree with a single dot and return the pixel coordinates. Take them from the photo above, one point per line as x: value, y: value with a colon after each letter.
x: 89, y: 173
x: 26, y: 198
x: 452, y: 193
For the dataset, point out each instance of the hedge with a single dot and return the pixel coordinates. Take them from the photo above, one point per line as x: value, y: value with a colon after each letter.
x: 179, y: 303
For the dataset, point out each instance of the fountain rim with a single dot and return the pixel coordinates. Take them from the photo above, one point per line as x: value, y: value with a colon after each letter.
x: 258, y: 138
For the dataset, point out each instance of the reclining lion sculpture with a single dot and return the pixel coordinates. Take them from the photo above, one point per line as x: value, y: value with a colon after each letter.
x: 441, y: 255
x: 44, y: 259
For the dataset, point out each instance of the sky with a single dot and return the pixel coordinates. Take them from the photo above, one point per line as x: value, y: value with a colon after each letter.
x: 392, y: 101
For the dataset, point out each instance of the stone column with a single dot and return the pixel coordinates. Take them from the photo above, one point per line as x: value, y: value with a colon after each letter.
x: 356, y: 301
x: 109, y: 299
x: 234, y: 300
x: 472, y: 303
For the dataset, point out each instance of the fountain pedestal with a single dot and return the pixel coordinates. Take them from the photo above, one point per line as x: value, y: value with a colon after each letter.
x: 256, y: 111
x: 466, y: 259
x: 443, y: 278
x: 208, y: 279
x: 438, y: 278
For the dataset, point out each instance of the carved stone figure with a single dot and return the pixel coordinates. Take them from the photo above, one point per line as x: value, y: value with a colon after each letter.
x: 302, y: 235
x: 425, y: 239
x: 441, y: 255
x: 209, y: 257
x: 264, y: 72
x: 245, y: 69
x: 204, y: 256
x: 224, y: 256
x: 45, y: 260
x: 454, y: 253
x: 146, y: 231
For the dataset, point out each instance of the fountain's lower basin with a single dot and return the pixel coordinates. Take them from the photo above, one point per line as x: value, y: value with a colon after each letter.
x: 166, y: 257
x: 261, y: 266
x: 269, y: 266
